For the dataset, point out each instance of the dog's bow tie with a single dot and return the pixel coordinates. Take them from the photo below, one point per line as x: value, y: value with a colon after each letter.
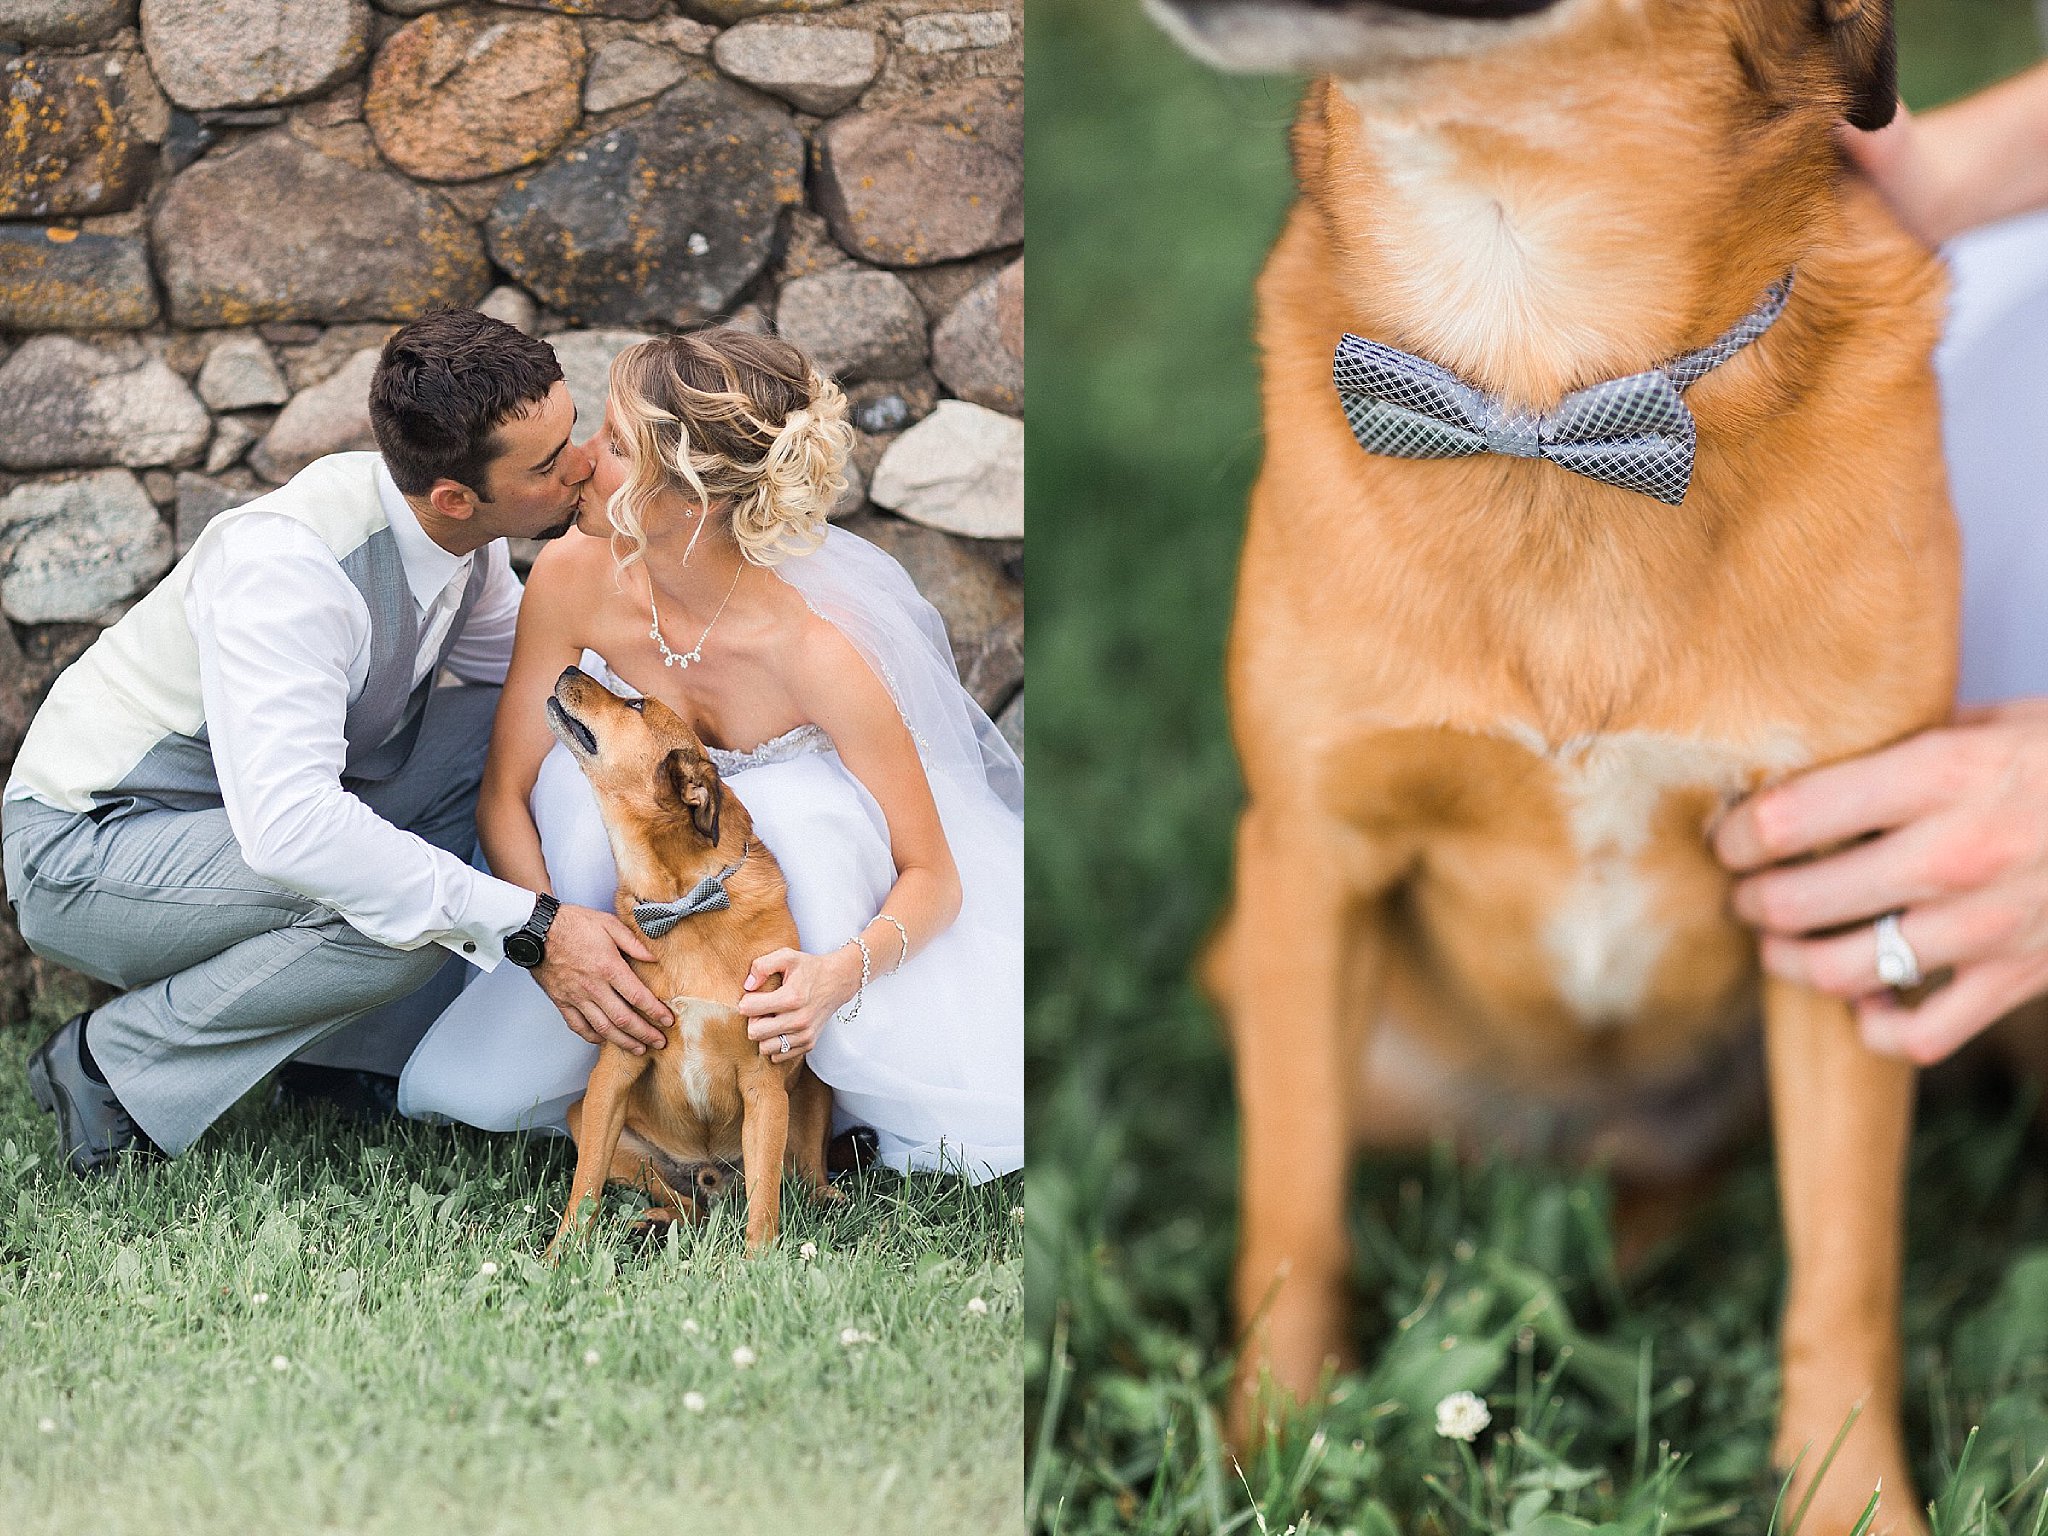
x: 1635, y: 432
x: 655, y: 918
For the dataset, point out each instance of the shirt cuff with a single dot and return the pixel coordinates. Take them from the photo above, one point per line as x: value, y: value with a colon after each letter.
x: 497, y: 909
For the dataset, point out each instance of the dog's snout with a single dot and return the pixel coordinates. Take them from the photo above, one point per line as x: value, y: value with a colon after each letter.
x: 1342, y: 37
x: 1471, y: 10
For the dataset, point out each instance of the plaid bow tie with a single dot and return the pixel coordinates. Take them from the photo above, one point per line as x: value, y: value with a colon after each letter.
x: 1635, y: 432
x: 655, y: 918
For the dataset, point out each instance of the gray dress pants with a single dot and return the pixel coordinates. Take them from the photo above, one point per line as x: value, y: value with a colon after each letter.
x: 229, y: 974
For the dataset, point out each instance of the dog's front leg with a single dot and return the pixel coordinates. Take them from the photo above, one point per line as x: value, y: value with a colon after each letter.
x: 1842, y: 1116
x: 1294, y: 964
x: 601, y: 1118
x: 810, y: 1132
x: 764, y: 1135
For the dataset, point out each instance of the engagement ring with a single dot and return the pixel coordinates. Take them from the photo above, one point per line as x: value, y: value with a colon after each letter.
x: 1897, y: 965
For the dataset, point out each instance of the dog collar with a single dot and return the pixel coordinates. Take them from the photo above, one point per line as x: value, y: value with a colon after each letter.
x: 655, y: 918
x: 1635, y: 432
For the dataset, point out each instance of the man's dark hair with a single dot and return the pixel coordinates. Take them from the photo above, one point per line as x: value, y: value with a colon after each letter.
x: 442, y: 388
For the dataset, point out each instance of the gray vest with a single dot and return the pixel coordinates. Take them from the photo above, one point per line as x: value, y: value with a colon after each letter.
x: 382, y: 722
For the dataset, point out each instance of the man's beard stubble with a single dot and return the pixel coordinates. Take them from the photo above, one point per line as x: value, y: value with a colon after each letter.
x: 568, y: 522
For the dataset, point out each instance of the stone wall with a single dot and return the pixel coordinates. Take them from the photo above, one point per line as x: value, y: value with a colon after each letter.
x: 213, y: 212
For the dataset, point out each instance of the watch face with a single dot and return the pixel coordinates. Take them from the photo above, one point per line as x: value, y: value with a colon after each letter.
x: 523, y: 949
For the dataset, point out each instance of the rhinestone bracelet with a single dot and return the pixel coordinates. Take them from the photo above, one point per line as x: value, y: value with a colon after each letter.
x: 902, y: 937
x: 866, y: 965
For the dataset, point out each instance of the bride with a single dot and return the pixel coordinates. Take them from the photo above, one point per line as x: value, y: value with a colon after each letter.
x: 702, y: 572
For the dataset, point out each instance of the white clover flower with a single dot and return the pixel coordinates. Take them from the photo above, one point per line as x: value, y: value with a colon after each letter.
x: 977, y: 1306
x: 1461, y: 1416
x: 487, y: 1269
x: 527, y: 1208
x: 591, y: 1357
x: 693, y: 1401
x: 259, y: 1298
x: 852, y: 1336
x: 808, y: 1251
x: 47, y: 1426
x: 279, y: 1363
x: 689, y: 1325
x: 742, y: 1357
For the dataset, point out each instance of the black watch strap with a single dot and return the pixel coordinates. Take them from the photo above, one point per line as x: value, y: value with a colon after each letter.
x: 528, y: 946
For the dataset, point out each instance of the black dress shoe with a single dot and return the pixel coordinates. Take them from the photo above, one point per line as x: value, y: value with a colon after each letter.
x: 93, y: 1130
x: 369, y: 1097
x: 851, y: 1150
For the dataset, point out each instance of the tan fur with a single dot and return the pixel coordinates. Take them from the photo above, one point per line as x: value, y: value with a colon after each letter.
x: 1429, y: 659
x: 709, y: 1100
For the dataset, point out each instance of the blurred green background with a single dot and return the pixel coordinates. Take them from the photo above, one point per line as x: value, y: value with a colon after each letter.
x: 1155, y: 188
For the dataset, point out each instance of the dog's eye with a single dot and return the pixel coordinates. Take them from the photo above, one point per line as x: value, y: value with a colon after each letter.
x: 638, y: 706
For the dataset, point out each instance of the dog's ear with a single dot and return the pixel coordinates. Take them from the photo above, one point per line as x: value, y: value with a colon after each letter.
x: 695, y: 783
x: 1866, y: 50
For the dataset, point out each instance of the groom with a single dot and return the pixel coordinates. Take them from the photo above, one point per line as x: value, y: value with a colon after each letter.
x: 250, y: 806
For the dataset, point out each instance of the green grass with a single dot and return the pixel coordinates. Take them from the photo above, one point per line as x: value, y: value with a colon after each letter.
x: 1633, y: 1404
x: 143, y: 1320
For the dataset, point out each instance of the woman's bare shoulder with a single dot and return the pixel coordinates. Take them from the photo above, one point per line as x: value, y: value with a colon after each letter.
x: 831, y: 678
x: 575, y: 569
x: 806, y: 643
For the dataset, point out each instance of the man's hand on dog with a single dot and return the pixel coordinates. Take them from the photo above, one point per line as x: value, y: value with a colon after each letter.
x: 1950, y: 828
x: 585, y: 975
x: 812, y: 989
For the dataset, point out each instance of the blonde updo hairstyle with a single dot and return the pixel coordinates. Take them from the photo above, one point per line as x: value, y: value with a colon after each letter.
x: 724, y: 415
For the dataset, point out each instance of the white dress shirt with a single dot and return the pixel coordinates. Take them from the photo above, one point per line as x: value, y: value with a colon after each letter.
x: 275, y: 713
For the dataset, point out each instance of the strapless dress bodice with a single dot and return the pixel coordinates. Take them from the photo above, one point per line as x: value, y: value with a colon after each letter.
x: 792, y: 743
x: 795, y: 742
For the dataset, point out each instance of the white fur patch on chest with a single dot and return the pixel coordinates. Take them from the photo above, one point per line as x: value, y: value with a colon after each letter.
x: 1604, y: 938
x: 1488, y: 267
x: 696, y: 1070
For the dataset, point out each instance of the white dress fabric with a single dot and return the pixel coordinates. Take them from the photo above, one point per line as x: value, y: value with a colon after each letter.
x: 1993, y: 365
x: 934, y: 1061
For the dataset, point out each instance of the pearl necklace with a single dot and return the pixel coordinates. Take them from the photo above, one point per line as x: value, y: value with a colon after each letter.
x: 696, y: 653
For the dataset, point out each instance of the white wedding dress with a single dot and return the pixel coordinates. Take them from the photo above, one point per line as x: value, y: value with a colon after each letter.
x: 934, y: 1061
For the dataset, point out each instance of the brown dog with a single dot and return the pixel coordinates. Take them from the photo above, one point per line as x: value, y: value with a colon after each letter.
x: 1487, y: 709
x: 669, y: 1121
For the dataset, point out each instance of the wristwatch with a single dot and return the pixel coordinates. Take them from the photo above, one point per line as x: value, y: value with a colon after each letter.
x: 529, y: 946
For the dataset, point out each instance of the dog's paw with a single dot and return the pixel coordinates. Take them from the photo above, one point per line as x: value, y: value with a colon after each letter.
x: 1297, y: 1337
x: 1871, y: 1458
x: 1839, y: 1512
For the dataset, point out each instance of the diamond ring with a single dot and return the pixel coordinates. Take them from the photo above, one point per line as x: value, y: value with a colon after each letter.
x: 785, y: 1039
x: 1897, y: 965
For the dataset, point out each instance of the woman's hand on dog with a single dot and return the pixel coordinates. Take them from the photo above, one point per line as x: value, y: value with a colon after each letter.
x: 1967, y: 164
x: 586, y: 977
x: 1949, y: 827
x: 812, y: 989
